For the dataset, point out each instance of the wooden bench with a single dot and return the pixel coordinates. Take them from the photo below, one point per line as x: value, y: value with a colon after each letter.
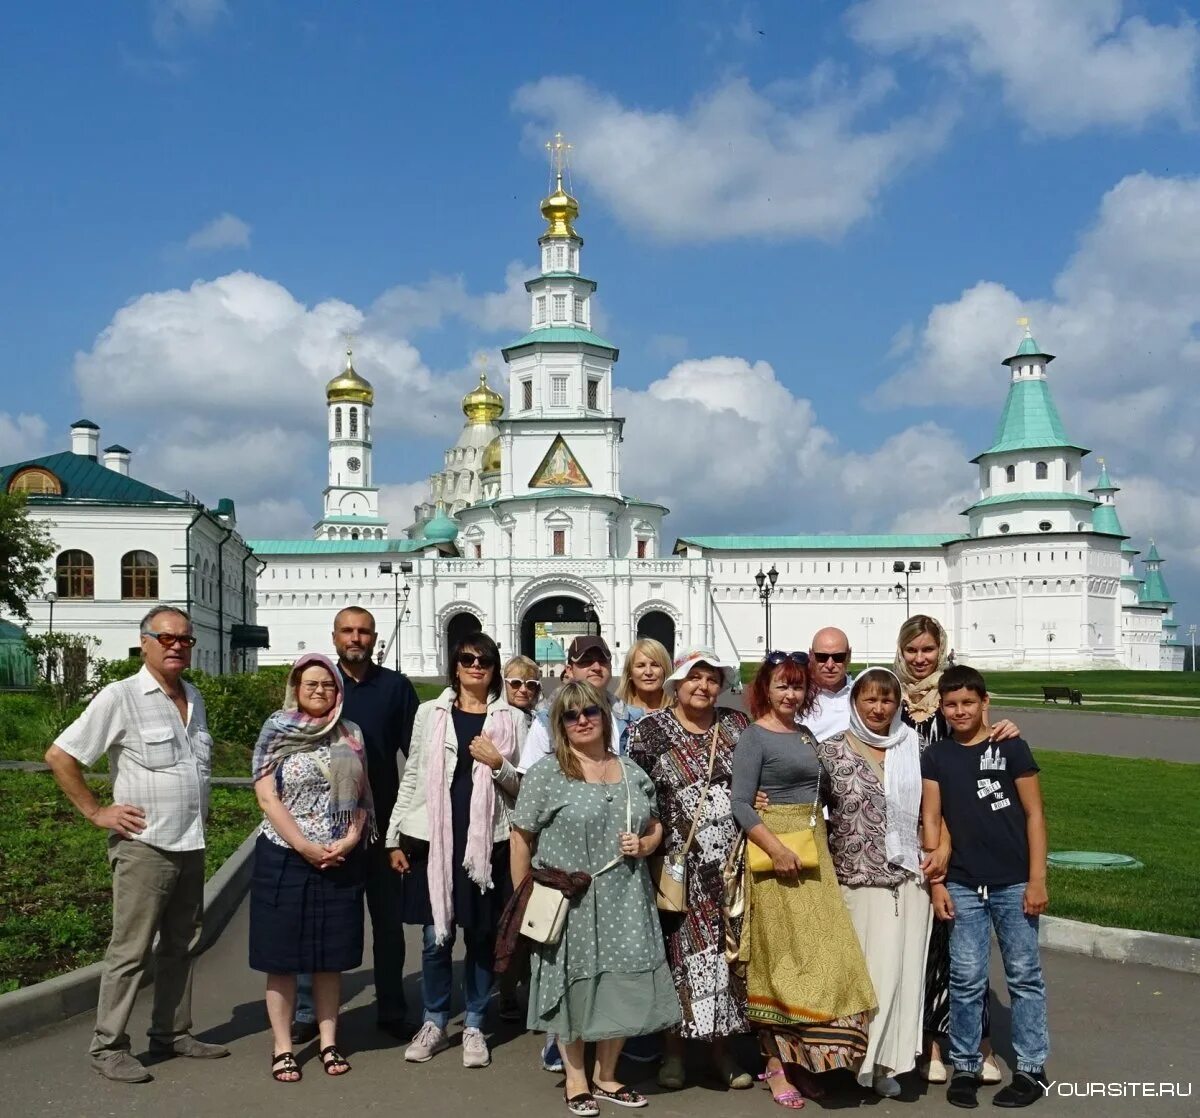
x: 1071, y: 694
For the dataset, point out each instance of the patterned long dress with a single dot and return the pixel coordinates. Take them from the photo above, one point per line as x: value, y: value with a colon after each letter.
x: 712, y: 998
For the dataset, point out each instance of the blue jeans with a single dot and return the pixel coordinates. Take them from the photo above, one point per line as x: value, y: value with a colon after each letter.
x: 976, y: 912
x: 383, y: 887
x: 437, y: 975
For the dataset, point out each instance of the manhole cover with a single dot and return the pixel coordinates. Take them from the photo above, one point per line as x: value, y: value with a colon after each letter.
x: 1092, y: 860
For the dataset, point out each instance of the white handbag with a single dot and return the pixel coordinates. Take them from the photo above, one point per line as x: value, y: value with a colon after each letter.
x: 546, y: 912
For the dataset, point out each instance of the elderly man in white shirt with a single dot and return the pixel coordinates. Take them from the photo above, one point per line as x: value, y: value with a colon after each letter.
x: 828, y: 658
x: 152, y: 726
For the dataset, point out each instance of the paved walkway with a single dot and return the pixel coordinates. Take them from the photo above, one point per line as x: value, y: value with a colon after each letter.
x: 1109, y: 1023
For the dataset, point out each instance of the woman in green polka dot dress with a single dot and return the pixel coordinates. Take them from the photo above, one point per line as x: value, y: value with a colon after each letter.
x: 607, y: 977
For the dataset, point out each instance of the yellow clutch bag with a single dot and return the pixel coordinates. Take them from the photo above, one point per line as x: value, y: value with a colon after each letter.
x: 801, y: 843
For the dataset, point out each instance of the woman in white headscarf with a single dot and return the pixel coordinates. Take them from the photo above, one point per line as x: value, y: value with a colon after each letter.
x: 874, y: 801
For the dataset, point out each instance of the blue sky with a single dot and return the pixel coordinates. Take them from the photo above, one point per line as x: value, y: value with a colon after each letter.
x: 813, y: 225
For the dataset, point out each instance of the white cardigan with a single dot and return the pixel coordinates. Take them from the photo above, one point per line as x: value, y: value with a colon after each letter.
x: 410, y: 816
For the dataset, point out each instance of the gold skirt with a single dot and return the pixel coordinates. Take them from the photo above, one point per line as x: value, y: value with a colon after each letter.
x: 807, y: 981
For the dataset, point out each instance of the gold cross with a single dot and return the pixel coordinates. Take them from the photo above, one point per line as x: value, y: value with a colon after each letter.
x: 559, y: 150
x: 349, y: 338
x: 483, y: 363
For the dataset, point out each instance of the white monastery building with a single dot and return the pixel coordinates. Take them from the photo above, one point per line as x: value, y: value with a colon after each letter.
x: 528, y: 533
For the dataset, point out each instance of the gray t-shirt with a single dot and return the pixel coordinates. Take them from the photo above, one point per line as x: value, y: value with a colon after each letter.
x: 781, y: 764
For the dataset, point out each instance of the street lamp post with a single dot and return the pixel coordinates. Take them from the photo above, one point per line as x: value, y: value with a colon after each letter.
x: 401, y: 604
x: 50, y: 598
x: 866, y: 623
x: 765, y: 581
x: 907, y: 570
x: 591, y: 617
x: 1192, y: 634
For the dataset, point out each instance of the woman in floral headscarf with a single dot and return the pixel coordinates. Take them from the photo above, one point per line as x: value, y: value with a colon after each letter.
x: 306, y: 910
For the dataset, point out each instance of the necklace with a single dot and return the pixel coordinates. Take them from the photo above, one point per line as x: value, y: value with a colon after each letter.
x: 600, y: 767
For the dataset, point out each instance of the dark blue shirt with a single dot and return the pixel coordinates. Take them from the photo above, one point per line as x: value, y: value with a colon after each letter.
x: 989, y: 843
x: 383, y: 706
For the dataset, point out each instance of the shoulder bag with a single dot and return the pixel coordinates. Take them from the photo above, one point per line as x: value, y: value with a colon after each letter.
x: 669, y: 871
x: 546, y: 912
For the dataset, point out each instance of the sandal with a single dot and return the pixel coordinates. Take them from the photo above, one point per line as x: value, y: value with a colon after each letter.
x: 584, y: 1105
x: 789, y: 1100
x: 284, y: 1066
x: 622, y: 1096
x: 331, y: 1058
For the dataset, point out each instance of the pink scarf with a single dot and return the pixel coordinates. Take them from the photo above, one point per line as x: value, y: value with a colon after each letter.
x: 478, y: 860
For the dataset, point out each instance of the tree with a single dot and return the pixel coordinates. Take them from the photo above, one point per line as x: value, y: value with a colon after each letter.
x: 25, y: 548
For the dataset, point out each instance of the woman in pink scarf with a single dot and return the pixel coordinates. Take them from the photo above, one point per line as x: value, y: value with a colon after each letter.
x: 449, y: 834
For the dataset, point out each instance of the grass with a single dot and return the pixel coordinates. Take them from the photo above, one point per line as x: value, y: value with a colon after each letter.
x: 1173, y: 710
x: 55, y: 888
x: 1125, y: 806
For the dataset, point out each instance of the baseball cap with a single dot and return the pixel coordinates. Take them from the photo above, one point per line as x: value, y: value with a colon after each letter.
x: 580, y: 646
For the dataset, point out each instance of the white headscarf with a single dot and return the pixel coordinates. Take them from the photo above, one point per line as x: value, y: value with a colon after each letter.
x: 902, y: 777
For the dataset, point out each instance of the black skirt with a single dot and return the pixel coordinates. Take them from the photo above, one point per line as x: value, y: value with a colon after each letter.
x: 304, y: 920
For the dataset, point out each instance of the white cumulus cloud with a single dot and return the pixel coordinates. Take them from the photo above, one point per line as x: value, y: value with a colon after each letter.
x: 793, y: 160
x: 1063, y: 65
x: 224, y: 231
x: 23, y: 436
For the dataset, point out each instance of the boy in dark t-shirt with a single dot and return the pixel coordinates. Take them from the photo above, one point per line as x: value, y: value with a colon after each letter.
x: 989, y: 795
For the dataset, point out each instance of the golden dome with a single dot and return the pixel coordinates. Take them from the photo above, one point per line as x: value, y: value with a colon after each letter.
x: 350, y: 387
x: 491, y: 457
x: 559, y: 210
x: 483, y: 405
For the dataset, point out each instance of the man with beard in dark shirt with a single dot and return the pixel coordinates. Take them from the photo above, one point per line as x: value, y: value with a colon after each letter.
x: 383, y: 704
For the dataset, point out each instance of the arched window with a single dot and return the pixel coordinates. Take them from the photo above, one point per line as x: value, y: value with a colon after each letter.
x: 1010, y: 474
x: 337, y: 423
x: 139, y: 575
x: 354, y: 423
x: 36, y: 482
x: 75, y: 575
x: 1041, y: 471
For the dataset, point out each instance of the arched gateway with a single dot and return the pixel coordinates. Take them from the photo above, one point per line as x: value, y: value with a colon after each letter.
x: 566, y: 615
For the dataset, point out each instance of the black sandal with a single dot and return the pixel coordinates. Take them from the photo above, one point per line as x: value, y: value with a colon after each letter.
x: 330, y: 1058
x: 286, y: 1066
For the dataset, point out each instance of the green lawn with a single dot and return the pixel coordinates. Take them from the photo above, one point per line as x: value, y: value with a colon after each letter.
x: 1173, y: 709
x: 1123, y: 806
x: 55, y: 894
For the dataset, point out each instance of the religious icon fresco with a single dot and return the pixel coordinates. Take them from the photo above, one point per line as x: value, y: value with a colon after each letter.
x: 559, y: 469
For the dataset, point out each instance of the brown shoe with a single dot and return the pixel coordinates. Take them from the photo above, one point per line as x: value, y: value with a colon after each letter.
x: 121, y: 1067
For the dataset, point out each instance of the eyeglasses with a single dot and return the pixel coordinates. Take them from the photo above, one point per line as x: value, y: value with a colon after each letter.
x: 168, y: 639
x: 590, y: 658
x: 473, y: 660
x: 317, y: 688
x: 777, y: 658
x: 524, y: 684
x: 836, y: 657
x: 570, y: 717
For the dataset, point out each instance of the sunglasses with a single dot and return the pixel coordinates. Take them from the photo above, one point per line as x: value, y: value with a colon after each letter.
x: 589, y: 658
x: 777, y: 658
x: 570, y: 717
x: 836, y: 657
x: 473, y: 660
x: 168, y: 639
x: 524, y: 684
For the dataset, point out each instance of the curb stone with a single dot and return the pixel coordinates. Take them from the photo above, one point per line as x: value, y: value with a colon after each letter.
x: 1120, y: 945
x: 47, y: 1003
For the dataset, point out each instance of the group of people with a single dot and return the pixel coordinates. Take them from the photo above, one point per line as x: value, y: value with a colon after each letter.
x: 822, y: 872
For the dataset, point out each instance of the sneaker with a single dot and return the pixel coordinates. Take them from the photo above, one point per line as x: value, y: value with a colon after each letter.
x: 475, y: 1049
x: 1024, y: 1090
x: 121, y: 1067
x: 551, y: 1057
x: 426, y: 1044
x: 963, y: 1090
x: 886, y: 1086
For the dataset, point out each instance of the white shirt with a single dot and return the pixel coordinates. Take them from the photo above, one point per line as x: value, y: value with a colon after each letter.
x: 158, y: 762
x: 831, y: 714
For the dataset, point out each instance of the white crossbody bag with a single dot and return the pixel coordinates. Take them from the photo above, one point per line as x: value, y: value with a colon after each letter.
x: 546, y: 913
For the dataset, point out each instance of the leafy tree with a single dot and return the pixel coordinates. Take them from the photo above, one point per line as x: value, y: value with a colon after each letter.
x: 64, y: 662
x: 25, y: 548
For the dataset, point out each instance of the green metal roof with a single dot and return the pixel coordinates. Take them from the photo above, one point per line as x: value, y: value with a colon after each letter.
x: 1129, y: 548
x: 1104, y: 483
x: 1039, y: 498
x: 84, y: 479
x: 1105, y: 521
x: 335, y: 547
x: 569, y: 335
x: 1029, y: 348
x: 549, y: 651
x: 1154, y: 591
x: 574, y: 276
x: 1152, y: 556
x: 822, y: 543
x: 559, y: 492
x: 1030, y: 421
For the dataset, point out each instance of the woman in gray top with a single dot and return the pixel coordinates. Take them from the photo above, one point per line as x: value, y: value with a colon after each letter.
x: 808, y: 990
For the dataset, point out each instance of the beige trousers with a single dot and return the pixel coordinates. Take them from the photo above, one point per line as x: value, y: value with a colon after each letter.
x: 154, y: 892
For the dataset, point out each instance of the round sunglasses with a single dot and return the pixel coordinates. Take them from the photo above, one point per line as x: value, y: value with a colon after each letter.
x: 570, y: 717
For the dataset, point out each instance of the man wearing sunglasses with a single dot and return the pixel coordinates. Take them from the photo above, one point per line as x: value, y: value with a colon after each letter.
x: 153, y: 728
x: 828, y: 659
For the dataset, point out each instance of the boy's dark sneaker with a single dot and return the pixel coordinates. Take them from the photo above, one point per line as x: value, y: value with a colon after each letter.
x: 1024, y: 1090
x: 963, y: 1090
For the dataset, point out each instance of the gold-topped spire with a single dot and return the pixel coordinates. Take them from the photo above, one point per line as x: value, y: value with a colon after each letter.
x: 349, y: 386
x: 483, y: 404
x: 560, y: 209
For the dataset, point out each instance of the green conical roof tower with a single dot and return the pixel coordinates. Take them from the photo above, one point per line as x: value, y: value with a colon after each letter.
x: 1104, y: 515
x: 1154, y: 591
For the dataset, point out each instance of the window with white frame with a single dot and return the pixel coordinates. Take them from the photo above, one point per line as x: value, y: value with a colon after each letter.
x: 560, y: 257
x: 580, y: 310
x: 574, y: 255
x: 540, y: 310
x: 1041, y: 471
x: 593, y: 393
x: 560, y: 308
x: 526, y: 394
x: 558, y: 392
x: 558, y: 543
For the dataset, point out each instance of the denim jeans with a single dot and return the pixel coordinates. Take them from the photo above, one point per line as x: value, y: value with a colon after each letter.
x: 437, y: 975
x: 383, y: 887
x: 976, y: 912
